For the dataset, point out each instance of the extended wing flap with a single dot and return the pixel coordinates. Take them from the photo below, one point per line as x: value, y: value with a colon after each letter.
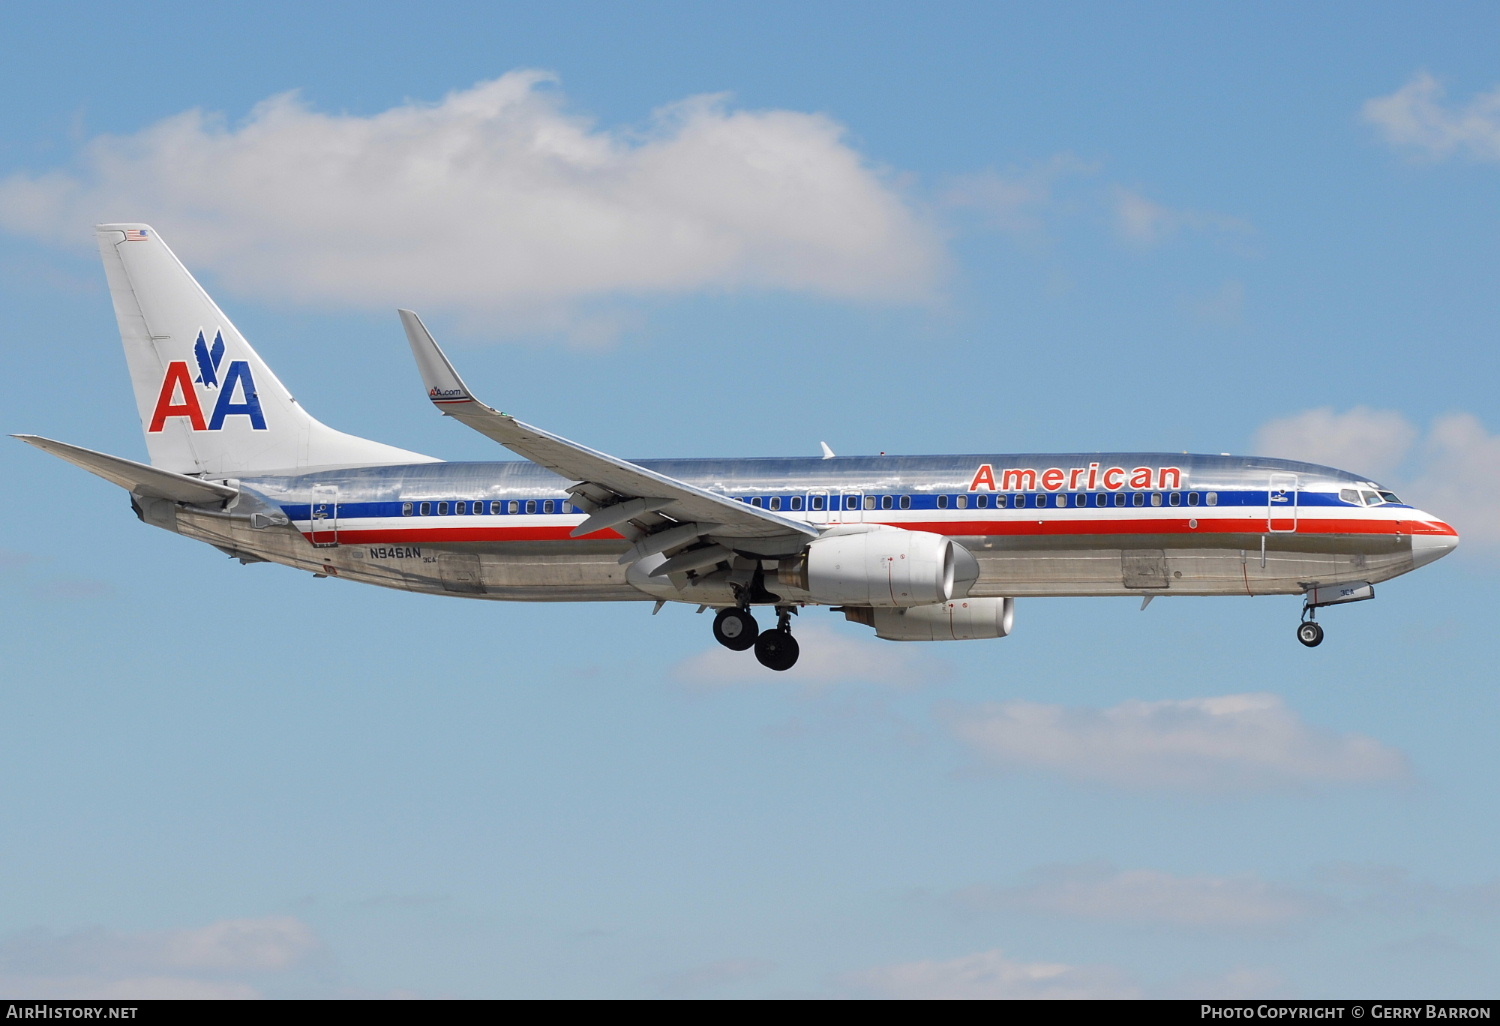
x: 137, y: 477
x: 580, y: 463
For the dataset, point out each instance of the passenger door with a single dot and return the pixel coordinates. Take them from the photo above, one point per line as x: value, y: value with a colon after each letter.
x: 1281, y: 504
x: 323, y: 532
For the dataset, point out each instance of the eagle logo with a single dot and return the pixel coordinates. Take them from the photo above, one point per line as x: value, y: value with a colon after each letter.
x: 209, y: 359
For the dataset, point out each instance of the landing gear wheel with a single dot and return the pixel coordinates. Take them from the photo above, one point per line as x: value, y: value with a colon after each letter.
x: 1310, y: 633
x: 735, y: 629
x: 777, y: 649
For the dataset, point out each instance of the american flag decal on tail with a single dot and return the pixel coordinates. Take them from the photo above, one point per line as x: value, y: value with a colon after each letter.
x: 137, y: 234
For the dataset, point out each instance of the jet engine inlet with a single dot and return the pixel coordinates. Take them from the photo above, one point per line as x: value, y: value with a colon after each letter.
x: 878, y: 568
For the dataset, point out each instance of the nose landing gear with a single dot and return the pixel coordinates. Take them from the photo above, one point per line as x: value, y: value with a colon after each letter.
x: 1310, y: 633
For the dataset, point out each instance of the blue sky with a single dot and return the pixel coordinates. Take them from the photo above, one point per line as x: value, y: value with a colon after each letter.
x: 668, y: 229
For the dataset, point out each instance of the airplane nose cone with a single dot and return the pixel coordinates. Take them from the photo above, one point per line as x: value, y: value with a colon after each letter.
x: 1433, y: 543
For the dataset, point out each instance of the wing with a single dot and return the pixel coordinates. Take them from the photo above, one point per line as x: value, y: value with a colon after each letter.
x: 615, y: 492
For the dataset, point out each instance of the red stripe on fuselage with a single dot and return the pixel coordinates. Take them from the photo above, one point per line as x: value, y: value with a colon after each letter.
x: 962, y: 528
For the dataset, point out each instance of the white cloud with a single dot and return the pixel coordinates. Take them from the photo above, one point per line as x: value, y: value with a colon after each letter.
x: 713, y: 976
x: 1414, y: 117
x: 1016, y: 200
x: 1451, y: 471
x: 1228, y: 743
x: 1362, y: 441
x: 826, y: 658
x: 991, y: 975
x: 499, y: 200
x: 215, y: 961
x: 1459, y: 477
x: 1099, y: 891
x: 1144, y: 222
x: 1392, y: 891
x: 1242, y: 984
x: 1222, y: 308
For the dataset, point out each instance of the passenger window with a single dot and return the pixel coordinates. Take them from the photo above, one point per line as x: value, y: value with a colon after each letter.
x: 962, y: 501
x: 1175, y: 499
x: 1192, y: 498
x: 1156, y: 498
x: 775, y: 502
x: 442, y: 509
x: 1062, y: 500
x: 1212, y: 498
x: 869, y: 502
x: 851, y: 502
x: 406, y: 509
x: 495, y: 508
x: 1041, y: 500
x: 1020, y: 502
x: 460, y: 508
x: 1000, y: 501
x: 755, y: 501
x: 817, y: 502
x: 1119, y: 498
x: 425, y: 509
x: 887, y: 502
x: 547, y: 506
x: 981, y: 501
x: 906, y: 502
x: 1138, y: 499
x: 531, y: 505
x: 942, y: 502
x: 513, y: 506
x: 796, y: 502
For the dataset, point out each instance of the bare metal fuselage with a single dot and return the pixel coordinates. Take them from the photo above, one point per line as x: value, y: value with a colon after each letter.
x: 1220, y: 526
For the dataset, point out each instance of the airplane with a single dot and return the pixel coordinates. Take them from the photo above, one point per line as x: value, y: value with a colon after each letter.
x: 919, y: 548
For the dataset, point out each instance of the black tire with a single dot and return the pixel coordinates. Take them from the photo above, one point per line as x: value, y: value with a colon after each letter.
x: 1310, y: 634
x: 777, y: 649
x: 735, y: 629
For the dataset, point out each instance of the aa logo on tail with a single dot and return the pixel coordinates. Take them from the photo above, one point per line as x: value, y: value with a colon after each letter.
x: 179, y: 397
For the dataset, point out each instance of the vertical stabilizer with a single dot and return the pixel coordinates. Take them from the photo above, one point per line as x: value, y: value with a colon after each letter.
x: 208, y: 403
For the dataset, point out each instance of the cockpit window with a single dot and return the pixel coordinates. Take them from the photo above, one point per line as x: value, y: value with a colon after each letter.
x: 1371, y: 498
x: 1349, y: 495
x: 1389, y: 497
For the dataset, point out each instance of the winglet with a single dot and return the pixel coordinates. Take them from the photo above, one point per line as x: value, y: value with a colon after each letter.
x: 444, y: 387
x: 828, y: 453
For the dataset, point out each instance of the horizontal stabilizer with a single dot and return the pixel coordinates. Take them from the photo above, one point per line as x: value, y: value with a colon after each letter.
x: 152, y: 482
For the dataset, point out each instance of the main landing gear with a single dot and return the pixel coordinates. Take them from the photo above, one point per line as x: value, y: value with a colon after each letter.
x: 776, y: 649
x: 735, y: 629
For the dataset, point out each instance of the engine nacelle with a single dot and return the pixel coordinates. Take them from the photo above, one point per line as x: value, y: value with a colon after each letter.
x: 956, y: 620
x: 882, y: 567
